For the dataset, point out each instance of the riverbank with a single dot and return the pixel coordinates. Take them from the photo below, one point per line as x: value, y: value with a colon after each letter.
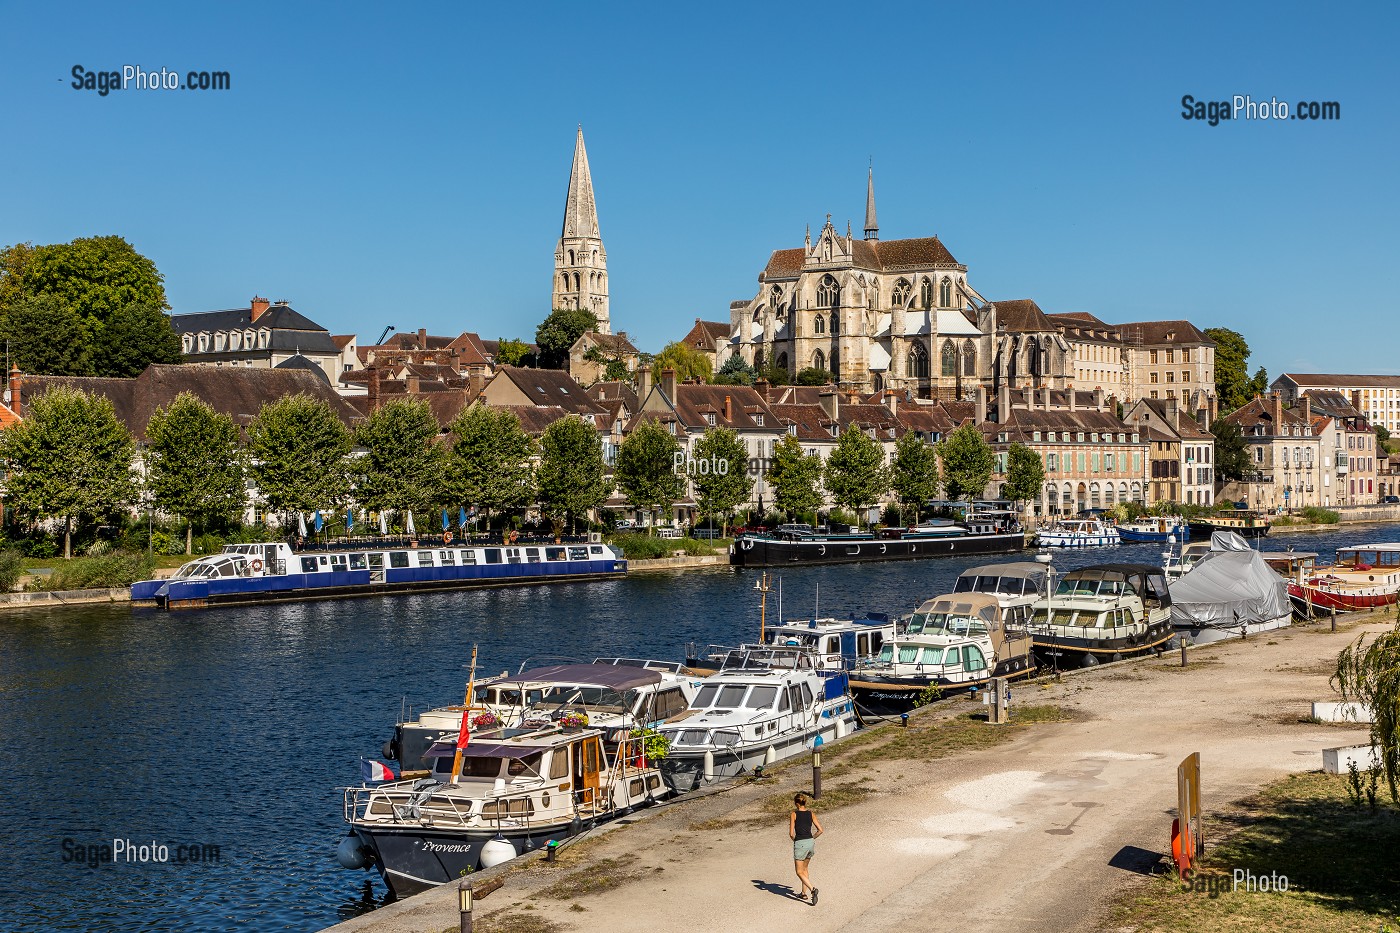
x: 48, y: 599
x: 1086, y: 801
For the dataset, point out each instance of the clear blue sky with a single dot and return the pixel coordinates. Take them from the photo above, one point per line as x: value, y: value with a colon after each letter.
x: 406, y: 164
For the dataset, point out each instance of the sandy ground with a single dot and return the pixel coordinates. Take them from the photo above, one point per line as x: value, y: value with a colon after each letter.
x: 1040, y: 833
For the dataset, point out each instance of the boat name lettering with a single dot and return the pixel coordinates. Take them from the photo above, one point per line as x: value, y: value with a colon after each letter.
x: 430, y: 846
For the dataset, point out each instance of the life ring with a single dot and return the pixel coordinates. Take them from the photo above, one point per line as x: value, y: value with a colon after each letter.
x: 257, y: 564
x: 447, y: 537
x: 746, y: 544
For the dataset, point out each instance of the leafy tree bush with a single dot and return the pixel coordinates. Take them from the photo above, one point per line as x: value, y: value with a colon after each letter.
x: 571, y: 476
x: 111, y: 569
x: 645, y: 547
x: 968, y: 463
x: 735, y: 372
x: 645, y: 472
x: 795, y: 477
x: 914, y: 475
x: 811, y: 376
x: 688, y: 362
x: 855, y: 472
x: 195, y: 463
x: 11, y: 568
x: 560, y: 331
x: 298, y: 450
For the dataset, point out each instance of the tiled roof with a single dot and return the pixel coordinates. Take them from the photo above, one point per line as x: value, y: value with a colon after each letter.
x: 7, y: 416
x: 237, y: 391
x: 879, y: 256
x: 603, y: 392
x: 1022, y: 316
x: 550, y: 387
x: 1341, y: 381
x: 615, y: 343
x: 1083, y: 326
x: 297, y: 361
x: 1021, y: 424
x: 1257, y: 412
x: 1165, y: 333
x: 707, y: 335
x: 536, y: 418
x: 696, y: 402
x: 810, y: 421
x: 342, y: 341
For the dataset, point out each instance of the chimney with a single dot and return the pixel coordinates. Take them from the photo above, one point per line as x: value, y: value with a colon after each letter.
x: 831, y: 404
x: 1098, y: 398
x: 422, y: 338
x: 980, y: 414
x: 373, y: 389
x: 16, y: 387
x: 410, y: 384
x: 1170, y: 408
x: 476, y: 381
x: 761, y: 387
x: 1356, y: 399
x: 1004, y: 404
x: 728, y: 408
x: 892, y: 401
x: 1307, y: 411
x: 643, y: 383
x: 1211, y: 402
x: 1070, y: 397
x: 1046, y: 397
x: 259, y: 307
x: 668, y: 383
x: 1276, y: 411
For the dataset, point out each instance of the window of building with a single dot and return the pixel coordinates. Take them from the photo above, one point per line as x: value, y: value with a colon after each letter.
x: 1152, y: 378
x: 1171, y: 356
x: 1185, y: 355
x: 819, y: 360
x: 1171, y: 376
x: 1185, y: 375
x: 819, y: 325
x: 926, y: 293
x: 1052, y: 462
x: 828, y: 292
x: 900, y: 296
x: 949, y: 359
x: 969, y: 359
x: 1151, y: 356
x: 758, y: 420
x: 918, y: 362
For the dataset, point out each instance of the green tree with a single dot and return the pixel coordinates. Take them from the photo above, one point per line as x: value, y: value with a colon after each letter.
x: 403, y: 464
x: 812, y: 376
x: 776, y: 375
x: 194, y: 465
x: 134, y: 337
x: 616, y: 371
x: 46, y: 337
x: 855, y: 471
x: 1370, y: 675
x: 688, y: 362
x: 646, y: 469
x: 719, y: 490
x: 735, y: 372
x: 298, y: 452
x: 560, y: 331
x: 69, y: 459
x: 1233, y: 385
x: 491, y: 462
x: 511, y: 352
x: 1232, y: 462
x: 93, y: 276
x: 914, y: 473
x: 795, y: 477
x: 571, y: 473
x: 1382, y: 439
x: 968, y: 463
x: 1025, y: 474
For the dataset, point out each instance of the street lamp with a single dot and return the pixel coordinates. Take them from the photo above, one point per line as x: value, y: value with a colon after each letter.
x: 464, y: 904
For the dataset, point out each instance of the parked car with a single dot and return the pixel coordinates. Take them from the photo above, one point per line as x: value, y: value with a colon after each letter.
x: 1390, y: 500
x: 624, y: 524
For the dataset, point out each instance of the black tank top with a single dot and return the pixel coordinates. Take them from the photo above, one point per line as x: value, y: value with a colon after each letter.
x: 803, y: 826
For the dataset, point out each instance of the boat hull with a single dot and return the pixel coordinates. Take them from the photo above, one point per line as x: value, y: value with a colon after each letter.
x: 891, y: 696
x: 1205, y: 635
x: 1053, y: 650
x: 1206, y: 529
x: 414, y: 859
x: 1131, y: 535
x: 763, y: 552
x: 1324, y: 600
x: 1055, y: 539
x: 684, y: 770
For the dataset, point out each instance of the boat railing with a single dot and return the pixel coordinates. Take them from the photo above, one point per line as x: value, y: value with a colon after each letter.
x: 430, y: 541
x: 1051, y: 631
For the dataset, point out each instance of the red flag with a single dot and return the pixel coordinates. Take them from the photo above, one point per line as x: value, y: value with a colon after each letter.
x: 464, y: 734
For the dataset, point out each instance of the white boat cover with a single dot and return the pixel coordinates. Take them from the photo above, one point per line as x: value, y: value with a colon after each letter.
x: 1229, y: 587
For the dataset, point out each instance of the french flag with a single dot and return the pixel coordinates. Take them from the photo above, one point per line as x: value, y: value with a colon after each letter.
x: 376, y: 771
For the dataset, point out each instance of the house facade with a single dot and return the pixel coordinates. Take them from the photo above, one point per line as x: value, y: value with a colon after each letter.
x: 263, y: 335
x: 1377, y: 398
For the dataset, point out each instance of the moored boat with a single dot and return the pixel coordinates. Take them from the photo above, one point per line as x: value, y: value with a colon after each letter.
x: 1366, y: 576
x: 1078, y: 532
x: 1243, y: 522
x: 264, y: 573
x: 1103, y: 613
x: 828, y: 645
x: 1154, y: 529
x: 986, y: 531
x: 1231, y: 592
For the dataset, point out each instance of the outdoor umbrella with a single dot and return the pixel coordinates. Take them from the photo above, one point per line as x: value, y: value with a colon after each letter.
x: 301, y: 524
x: 317, y: 522
x: 383, y: 524
x: 349, y: 520
x: 462, y: 518
x: 408, y: 525
x: 445, y: 522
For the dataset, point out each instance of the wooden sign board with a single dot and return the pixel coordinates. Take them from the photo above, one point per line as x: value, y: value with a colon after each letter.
x: 1187, y: 844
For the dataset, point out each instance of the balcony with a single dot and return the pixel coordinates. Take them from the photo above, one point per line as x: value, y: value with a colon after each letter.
x: 1342, y: 461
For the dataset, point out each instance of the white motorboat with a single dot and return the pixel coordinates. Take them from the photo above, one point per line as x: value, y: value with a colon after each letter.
x: 1103, y: 613
x: 1078, y: 532
x: 1231, y: 592
x: 833, y: 644
x: 752, y: 713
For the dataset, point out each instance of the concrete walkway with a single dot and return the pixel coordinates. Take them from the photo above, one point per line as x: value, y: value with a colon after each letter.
x: 1041, y: 833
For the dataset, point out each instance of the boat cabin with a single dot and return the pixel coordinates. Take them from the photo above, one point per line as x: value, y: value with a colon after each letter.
x: 839, y: 644
x: 604, y: 694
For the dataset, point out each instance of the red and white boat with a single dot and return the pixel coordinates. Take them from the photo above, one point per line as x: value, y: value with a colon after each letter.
x: 1364, y: 577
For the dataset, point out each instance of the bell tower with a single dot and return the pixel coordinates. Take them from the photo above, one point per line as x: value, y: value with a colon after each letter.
x: 580, y: 262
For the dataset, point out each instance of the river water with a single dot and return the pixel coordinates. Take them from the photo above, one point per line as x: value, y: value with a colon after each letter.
x: 235, y: 727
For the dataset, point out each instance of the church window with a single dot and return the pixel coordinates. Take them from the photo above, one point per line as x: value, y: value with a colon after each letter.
x: 835, y: 322
x: 819, y: 325
x: 969, y: 359
x: 900, y: 296
x: 835, y: 361
x: 926, y: 293
x: 945, y: 293
x: 782, y: 362
x: 571, y: 257
x: 918, y: 362
x: 577, y: 286
x: 564, y: 281
x: 949, y: 359
x: 828, y: 292
x: 818, y: 360
x: 595, y: 257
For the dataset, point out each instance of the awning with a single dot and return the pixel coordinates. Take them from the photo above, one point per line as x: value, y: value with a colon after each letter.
x: 593, y: 675
x: 481, y: 750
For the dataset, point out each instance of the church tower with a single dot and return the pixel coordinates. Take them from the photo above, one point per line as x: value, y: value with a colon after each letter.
x: 580, y: 262
x: 872, y: 226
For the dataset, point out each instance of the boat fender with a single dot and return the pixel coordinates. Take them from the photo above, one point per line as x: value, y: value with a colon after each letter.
x: 351, y: 853
x: 257, y: 565
x: 387, y: 749
x: 497, y: 850
x: 447, y: 537
x: 746, y: 544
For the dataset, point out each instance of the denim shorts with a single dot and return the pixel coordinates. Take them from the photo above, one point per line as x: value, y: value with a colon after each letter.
x: 803, y: 849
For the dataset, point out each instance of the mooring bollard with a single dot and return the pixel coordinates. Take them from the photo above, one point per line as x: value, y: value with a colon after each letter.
x: 817, y: 768
x: 464, y: 903
x: 1183, y: 654
x: 904, y: 720
x: 1334, y: 618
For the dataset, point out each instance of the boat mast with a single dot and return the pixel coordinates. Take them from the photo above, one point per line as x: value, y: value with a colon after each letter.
x: 762, y: 586
x: 464, y: 733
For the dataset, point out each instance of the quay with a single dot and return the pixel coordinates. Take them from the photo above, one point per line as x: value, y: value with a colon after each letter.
x: 1065, y: 816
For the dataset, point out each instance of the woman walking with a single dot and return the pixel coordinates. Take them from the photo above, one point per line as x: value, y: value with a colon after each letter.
x: 803, y: 829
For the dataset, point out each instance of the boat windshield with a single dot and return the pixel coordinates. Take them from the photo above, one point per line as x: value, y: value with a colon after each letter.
x: 938, y: 623
x: 1080, y: 586
x: 734, y: 696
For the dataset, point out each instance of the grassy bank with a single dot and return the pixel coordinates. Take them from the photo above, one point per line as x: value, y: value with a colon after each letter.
x: 1339, y: 859
x: 647, y: 547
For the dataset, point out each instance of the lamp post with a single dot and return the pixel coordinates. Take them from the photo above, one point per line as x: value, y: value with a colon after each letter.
x: 817, y: 768
x: 464, y: 903
x: 1045, y: 558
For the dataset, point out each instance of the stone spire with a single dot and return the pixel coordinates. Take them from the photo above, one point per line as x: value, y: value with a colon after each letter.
x: 580, y: 213
x: 580, y: 262
x: 872, y: 226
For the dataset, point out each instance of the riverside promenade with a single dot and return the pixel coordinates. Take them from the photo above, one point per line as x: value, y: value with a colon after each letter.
x: 1042, y: 832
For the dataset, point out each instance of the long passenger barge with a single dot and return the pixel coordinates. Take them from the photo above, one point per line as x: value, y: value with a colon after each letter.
x: 278, y: 572
x: 988, y: 533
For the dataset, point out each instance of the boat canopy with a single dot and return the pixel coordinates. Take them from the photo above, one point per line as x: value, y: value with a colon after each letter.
x: 483, y: 750
x: 1228, y: 541
x: 982, y: 606
x: 1228, y: 588
x: 615, y: 676
x: 1147, y: 581
x: 1022, y: 576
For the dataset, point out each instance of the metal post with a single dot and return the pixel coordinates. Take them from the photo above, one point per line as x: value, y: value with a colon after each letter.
x: 817, y: 768
x: 464, y: 904
x: 1183, y: 653
x: 1334, y: 618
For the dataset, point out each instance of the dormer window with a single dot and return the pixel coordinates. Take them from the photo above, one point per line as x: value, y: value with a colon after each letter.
x: 1002, y: 437
x: 1094, y: 437
x: 1035, y: 435
x: 792, y: 430
x: 1079, y: 437
x: 1135, y: 437
x: 758, y: 420
x: 710, y: 419
x: 1051, y: 436
x: 671, y: 426
x: 1121, y: 438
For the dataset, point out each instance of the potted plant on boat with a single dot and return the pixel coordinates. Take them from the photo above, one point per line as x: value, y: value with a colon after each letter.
x: 574, y: 721
x: 485, y: 721
x: 650, y: 746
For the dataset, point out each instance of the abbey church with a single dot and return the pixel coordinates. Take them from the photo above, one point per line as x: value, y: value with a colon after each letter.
x: 893, y: 314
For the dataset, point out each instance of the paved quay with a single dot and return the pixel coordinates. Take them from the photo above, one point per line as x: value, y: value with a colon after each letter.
x: 1024, y: 836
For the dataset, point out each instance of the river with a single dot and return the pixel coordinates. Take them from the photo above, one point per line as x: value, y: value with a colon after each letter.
x: 234, y: 728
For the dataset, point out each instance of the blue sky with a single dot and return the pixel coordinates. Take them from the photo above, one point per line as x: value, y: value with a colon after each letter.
x: 407, y: 164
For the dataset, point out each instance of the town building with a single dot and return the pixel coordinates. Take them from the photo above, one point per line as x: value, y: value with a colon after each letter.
x: 1165, y: 422
x: 264, y: 335
x: 1169, y: 359
x: 1285, y: 453
x: 580, y: 261
x: 709, y: 338
x: 1096, y: 353
x: 518, y: 385
x: 1376, y: 397
x: 1351, y: 460
x: 593, y: 351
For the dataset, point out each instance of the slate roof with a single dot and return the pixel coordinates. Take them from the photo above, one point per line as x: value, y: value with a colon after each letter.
x: 1341, y: 381
x: 299, y: 362
x: 1082, y: 326
x: 1332, y: 403
x: 237, y: 391
x: 707, y: 335
x: 1165, y: 334
x: 276, y: 317
x: 550, y: 387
